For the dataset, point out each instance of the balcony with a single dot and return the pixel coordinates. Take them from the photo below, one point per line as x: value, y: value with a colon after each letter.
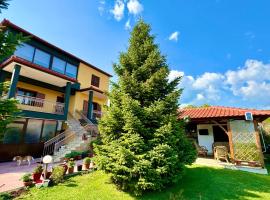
x: 40, y: 105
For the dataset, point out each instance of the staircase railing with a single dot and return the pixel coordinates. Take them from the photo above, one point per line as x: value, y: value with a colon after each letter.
x: 65, y: 141
x: 49, y: 146
x: 53, y: 145
x: 90, y: 126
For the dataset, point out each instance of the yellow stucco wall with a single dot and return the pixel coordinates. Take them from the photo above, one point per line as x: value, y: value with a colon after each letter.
x: 84, y: 77
x: 85, y: 74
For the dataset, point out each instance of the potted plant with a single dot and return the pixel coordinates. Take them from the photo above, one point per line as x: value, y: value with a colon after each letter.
x: 78, y: 155
x: 71, y: 165
x: 79, y: 167
x: 37, y: 173
x: 86, y: 162
x: 26, y: 178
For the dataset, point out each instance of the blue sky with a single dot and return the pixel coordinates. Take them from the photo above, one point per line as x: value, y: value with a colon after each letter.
x: 220, y: 46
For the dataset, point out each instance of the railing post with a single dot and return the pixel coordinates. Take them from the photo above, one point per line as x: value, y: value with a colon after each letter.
x: 14, y: 81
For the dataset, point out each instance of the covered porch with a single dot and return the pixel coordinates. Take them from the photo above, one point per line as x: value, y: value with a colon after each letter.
x: 227, y: 134
x: 40, y: 92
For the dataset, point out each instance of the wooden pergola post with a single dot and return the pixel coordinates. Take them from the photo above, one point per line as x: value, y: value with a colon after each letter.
x: 230, y: 140
x: 229, y: 133
x: 258, y: 143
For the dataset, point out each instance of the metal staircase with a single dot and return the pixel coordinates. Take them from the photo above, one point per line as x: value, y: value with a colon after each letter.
x: 77, y: 137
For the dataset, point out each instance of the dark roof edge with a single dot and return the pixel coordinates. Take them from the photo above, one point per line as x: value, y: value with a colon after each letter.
x: 7, y: 23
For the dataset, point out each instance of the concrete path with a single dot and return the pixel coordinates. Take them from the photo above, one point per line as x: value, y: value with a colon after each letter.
x: 214, y: 163
x: 10, y: 174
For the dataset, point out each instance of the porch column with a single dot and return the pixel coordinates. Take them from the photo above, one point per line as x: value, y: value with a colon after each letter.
x: 14, y: 81
x: 90, y: 105
x: 67, y: 97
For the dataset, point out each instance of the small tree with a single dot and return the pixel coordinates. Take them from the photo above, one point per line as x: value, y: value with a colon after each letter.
x: 8, y: 110
x: 143, y: 144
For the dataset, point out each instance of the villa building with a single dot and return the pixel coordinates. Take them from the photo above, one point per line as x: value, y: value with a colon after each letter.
x: 50, y: 85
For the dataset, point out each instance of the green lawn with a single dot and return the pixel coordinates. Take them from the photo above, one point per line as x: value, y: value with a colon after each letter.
x: 199, y: 182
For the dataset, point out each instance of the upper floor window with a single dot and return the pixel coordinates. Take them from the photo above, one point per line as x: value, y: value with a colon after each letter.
x: 95, y: 80
x: 71, y: 70
x: 25, y: 51
x: 42, y: 58
x: 58, y: 65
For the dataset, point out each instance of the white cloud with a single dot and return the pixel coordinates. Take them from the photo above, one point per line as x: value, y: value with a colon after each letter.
x: 127, y: 25
x: 174, y: 36
x: 175, y: 74
x: 207, y: 80
x: 250, y: 35
x: 101, y: 7
x: 118, y: 10
x: 134, y: 7
x: 200, y: 97
x: 247, y: 86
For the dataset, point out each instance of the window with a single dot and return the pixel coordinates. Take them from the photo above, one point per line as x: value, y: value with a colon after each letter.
x: 25, y: 51
x: 33, y: 131
x: 58, y: 65
x: 71, y: 70
x: 203, y: 132
x: 13, y: 133
x: 24, y: 96
x: 95, y: 80
x: 42, y: 58
x: 49, y: 129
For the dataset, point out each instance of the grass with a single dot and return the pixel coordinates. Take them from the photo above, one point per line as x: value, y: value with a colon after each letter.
x: 199, y: 182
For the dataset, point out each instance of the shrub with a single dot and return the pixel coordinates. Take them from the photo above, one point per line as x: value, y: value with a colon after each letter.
x: 38, y: 169
x: 5, y: 196
x: 86, y: 160
x: 26, y: 177
x: 73, y: 154
x: 58, y: 174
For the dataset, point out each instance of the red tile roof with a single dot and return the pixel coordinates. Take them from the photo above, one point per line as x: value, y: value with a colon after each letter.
x: 219, y: 112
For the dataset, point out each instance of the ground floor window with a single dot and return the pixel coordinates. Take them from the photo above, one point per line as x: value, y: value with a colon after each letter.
x: 31, y: 131
x: 13, y: 134
x: 49, y: 129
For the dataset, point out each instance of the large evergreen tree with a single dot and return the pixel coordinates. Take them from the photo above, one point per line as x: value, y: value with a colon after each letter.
x: 143, y: 144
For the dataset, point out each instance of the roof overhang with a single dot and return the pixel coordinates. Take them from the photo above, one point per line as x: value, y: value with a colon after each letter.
x: 98, y: 93
x: 7, y: 23
x: 36, y: 72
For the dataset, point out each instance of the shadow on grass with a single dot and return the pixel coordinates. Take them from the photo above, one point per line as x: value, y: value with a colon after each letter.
x: 200, y: 182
